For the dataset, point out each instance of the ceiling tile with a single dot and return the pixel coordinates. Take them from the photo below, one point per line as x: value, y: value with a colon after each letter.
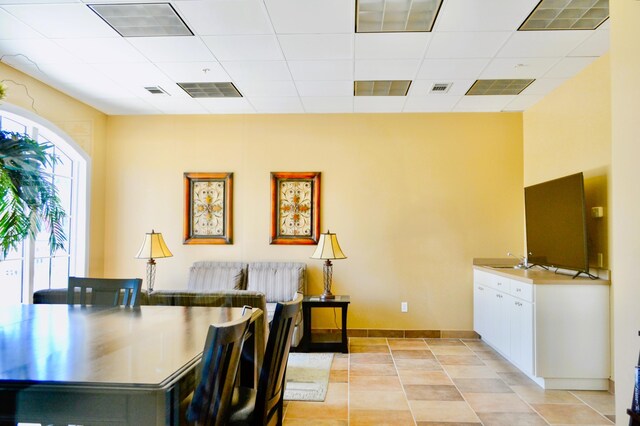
x: 321, y: 70
x: 100, y: 50
x: 386, y: 70
x: 225, y: 17
x: 277, y: 104
x: 172, y: 49
x: 474, y: 15
x: 325, y: 88
x: 515, y: 68
x: 378, y: 103
x: 312, y: 16
x: 122, y: 106
x: 451, y: 68
x: 327, y: 104
x: 257, y: 70
x: 431, y: 103
x: 244, y: 47
x: 227, y: 106
x: 523, y: 102
x: 391, y: 45
x: 86, y: 79
x: 14, y: 28
x: 541, y: 44
x: 483, y: 103
x: 543, y: 86
x: 466, y: 44
x: 191, y: 72
x: 596, y: 45
x: 304, y: 47
x: 170, y: 105
x: 569, y: 67
x: 267, y: 88
x: 421, y: 88
x: 62, y: 20
x: 29, y: 53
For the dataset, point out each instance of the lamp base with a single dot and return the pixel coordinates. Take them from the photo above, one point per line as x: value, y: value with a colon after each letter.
x: 327, y: 275
x: 327, y: 296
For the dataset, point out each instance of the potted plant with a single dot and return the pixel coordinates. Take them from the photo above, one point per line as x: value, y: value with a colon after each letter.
x: 28, y: 197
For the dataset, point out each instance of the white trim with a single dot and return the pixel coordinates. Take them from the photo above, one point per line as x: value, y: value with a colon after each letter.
x: 82, y: 177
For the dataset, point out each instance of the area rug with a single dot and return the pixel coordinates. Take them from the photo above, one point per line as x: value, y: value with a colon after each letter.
x: 307, y: 376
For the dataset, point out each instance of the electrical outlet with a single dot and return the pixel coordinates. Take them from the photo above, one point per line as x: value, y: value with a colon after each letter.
x: 404, y: 307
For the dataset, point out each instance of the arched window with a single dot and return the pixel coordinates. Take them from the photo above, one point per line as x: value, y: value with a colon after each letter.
x: 32, y: 266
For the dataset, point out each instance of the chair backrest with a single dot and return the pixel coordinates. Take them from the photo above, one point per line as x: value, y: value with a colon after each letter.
x: 104, y: 291
x: 220, y: 361
x: 271, y: 382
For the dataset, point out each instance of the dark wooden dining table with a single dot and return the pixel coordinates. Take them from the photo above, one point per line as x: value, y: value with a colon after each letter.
x: 65, y: 364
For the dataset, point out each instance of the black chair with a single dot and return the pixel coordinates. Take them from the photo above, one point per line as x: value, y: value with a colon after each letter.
x: 104, y: 291
x: 220, y: 360
x: 257, y: 407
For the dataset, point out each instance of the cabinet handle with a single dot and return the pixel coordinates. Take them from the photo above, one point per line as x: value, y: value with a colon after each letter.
x: 518, y: 290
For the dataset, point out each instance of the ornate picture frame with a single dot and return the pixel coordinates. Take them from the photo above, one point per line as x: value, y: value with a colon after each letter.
x: 295, y: 208
x: 208, y: 208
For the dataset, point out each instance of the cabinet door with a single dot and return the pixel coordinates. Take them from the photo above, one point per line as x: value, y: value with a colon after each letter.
x: 521, y: 334
x: 497, y: 320
x: 480, y: 311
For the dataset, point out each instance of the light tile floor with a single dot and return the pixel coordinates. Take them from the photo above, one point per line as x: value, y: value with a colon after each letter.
x: 441, y: 382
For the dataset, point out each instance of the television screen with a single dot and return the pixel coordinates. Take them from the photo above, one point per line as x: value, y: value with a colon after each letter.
x: 556, y: 223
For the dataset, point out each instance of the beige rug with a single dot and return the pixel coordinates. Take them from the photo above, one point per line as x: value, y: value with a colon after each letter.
x: 307, y: 376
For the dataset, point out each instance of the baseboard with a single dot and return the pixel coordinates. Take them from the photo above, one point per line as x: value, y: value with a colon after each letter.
x: 404, y: 334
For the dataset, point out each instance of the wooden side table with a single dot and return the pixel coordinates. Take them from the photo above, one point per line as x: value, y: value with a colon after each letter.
x: 324, y: 343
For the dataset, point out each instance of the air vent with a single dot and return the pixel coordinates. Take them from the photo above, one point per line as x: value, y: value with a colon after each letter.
x: 567, y: 15
x: 498, y: 87
x: 142, y: 19
x: 381, y: 88
x: 380, y: 16
x: 156, y: 90
x: 441, y: 87
x: 211, y: 90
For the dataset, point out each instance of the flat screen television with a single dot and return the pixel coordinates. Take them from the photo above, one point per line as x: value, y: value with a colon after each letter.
x: 556, y: 223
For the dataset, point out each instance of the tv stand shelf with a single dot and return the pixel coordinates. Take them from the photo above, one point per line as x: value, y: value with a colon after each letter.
x: 544, y: 323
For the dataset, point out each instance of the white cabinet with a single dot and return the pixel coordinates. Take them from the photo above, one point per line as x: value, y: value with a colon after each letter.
x: 545, y: 324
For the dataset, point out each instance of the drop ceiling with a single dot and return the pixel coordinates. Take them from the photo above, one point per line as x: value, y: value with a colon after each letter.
x: 292, y: 56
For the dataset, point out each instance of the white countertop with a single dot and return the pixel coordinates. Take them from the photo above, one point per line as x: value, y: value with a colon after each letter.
x: 537, y: 275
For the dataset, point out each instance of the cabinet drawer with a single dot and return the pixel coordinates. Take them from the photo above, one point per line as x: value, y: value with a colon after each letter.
x: 499, y: 283
x: 521, y: 290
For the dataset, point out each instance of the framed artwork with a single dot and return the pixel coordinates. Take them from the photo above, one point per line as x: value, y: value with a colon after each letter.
x: 295, y: 207
x: 208, y: 208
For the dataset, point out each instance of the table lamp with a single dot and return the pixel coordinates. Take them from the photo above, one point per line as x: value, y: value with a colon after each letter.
x: 328, y: 249
x: 153, y: 247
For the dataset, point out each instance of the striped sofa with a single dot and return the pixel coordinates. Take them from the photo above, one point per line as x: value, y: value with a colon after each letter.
x: 278, y: 281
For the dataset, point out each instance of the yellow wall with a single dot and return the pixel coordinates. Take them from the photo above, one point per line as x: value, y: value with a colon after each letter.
x: 625, y: 107
x: 569, y: 131
x: 413, y: 198
x: 84, y: 125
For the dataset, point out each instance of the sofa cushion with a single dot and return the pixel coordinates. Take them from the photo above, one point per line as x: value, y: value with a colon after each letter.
x: 213, y: 276
x: 279, y: 281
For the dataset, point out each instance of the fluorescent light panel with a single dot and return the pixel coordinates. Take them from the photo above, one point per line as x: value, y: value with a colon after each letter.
x: 210, y: 90
x: 498, y: 87
x: 381, y: 88
x: 142, y: 19
x: 567, y: 15
x: 380, y: 16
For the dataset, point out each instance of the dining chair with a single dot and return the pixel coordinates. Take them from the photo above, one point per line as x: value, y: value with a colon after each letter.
x: 258, y: 406
x: 211, y: 400
x: 104, y: 291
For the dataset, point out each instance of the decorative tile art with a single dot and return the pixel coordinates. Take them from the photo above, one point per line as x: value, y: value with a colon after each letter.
x: 295, y: 207
x: 208, y: 208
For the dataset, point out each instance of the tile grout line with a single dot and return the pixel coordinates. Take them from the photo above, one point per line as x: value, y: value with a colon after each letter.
x: 393, y: 359
x: 509, y: 386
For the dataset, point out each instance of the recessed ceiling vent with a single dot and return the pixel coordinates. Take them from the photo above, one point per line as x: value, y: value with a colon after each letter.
x: 142, y: 19
x: 381, y: 88
x: 382, y: 16
x: 211, y: 90
x: 567, y: 15
x: 156, y: 90
x: 498, y: 87
x: 441, y: 87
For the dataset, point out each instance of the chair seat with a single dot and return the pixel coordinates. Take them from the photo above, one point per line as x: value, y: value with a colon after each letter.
x: 242, y: 405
